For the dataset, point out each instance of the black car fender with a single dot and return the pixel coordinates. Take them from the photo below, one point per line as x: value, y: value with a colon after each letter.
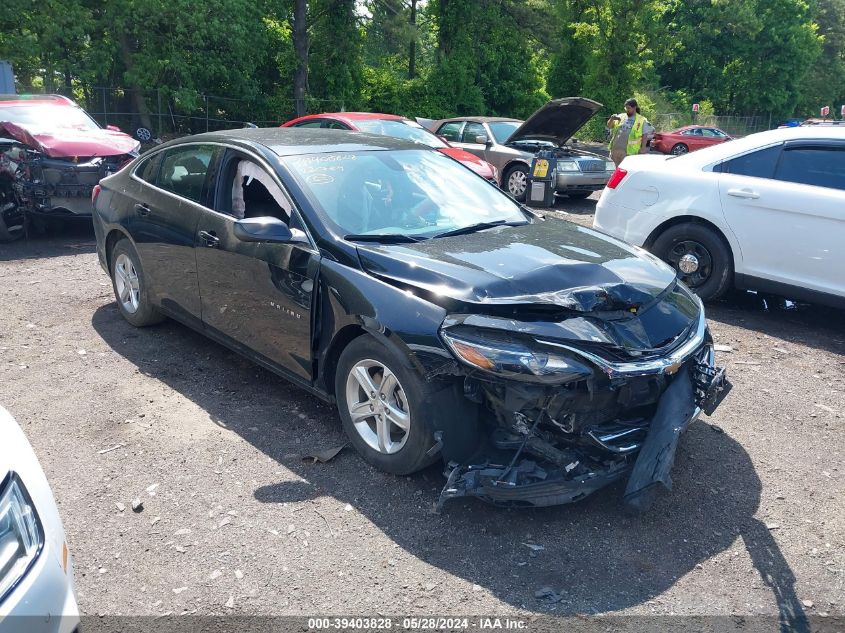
x: 351, y: 302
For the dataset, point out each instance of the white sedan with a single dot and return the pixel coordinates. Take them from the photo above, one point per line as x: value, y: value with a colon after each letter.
x: 765, y: 212
x: 36, y: 571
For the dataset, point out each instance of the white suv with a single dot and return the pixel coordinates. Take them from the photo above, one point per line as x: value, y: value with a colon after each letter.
x: 765, y: 212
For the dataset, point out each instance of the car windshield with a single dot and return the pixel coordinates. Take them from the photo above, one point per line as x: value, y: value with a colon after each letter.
x: 410, y: 193
x: 47, y: 116
x: 502, y: 130
x: 408, y: 130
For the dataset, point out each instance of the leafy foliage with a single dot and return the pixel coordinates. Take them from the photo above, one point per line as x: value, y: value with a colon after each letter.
x: 436, y: 58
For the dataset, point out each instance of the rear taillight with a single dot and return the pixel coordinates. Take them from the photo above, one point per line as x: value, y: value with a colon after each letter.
x: 616, y: 178
x: 94, y: 193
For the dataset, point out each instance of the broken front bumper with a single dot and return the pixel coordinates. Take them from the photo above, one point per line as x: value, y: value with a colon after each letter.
x: 535, y: 473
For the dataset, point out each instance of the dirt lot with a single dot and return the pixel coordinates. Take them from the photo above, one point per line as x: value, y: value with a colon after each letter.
x: 236, y: 521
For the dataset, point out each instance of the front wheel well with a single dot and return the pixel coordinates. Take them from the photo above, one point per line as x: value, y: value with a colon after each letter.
x: 340, y: 341
x: 687, y: 219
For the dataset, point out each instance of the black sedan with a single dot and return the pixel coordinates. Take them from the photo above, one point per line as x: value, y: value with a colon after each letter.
x: 540, y: 360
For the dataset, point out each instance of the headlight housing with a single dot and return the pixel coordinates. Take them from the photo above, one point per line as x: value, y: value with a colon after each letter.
x: 511, y: 358
x: 567, y: 165
x: 21, y: 534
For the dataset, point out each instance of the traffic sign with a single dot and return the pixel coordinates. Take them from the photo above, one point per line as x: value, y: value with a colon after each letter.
x: 825, y: 111
x: 696, y: 107
x: 842, y: 111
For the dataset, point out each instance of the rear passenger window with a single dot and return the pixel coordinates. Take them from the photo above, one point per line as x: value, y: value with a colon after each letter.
x: 311, y: 123
x: 759, y: 164
x: 183, y: 171
x: 147, y: 170
x: 451, y: 131
x: 818, y: 166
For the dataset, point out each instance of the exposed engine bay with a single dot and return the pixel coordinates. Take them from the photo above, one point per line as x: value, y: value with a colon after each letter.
x: 32, y: 183
x: 583, y: 416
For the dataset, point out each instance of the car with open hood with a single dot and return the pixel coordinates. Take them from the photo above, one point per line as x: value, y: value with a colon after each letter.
x: 538, y: 359
x: 52, y: 153
x: 511, y: 144
x: 398, y: 127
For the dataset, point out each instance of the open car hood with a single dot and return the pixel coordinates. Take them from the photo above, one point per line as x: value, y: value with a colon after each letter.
x: 68, y: 142
x: 557, y: 121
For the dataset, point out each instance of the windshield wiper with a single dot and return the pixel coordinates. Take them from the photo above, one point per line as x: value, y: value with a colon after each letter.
x: 384, y: 238
x: 472, y: 228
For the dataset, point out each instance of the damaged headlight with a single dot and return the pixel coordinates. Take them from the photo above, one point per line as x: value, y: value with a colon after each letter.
x: 511, y: 357
x: 21, y: 534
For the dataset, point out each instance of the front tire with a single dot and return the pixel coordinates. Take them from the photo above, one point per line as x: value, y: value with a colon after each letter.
x: 130, y: 286
x: 385, y: 407
x: 700, y: 256
x: 516, y: 182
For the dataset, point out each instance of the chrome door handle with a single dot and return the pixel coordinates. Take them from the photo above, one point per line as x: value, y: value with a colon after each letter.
x: 209, y: 239
x: 743, y: 193
x: 142, y: 209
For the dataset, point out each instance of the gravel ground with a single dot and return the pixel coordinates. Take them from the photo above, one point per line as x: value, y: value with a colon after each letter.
x: 235, y: 520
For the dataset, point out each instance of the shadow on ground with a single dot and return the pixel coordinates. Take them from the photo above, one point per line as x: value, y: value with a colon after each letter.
x: 597, y: 557
x: 69, y: 238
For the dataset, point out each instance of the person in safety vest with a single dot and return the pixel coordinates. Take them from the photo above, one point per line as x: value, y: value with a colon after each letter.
x: 629, y: 132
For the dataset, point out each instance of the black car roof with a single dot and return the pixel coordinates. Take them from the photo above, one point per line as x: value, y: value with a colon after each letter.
x: 295, y: 141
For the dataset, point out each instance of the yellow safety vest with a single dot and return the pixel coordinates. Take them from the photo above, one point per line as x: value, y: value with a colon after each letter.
x: 634, y: 138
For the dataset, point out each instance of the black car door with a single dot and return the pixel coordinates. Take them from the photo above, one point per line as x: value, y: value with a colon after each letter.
x: 256, y: 295
x: 172, y: 187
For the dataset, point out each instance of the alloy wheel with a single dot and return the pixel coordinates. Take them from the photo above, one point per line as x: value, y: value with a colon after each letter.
x: 378, y: 406
x: 127, y: 284
x: 517, y: 183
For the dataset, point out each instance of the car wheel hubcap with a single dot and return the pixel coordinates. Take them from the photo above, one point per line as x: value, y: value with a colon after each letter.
x: 517, y: 182
x: 693, y: 261
x: 127, y: 284
x: 679, y: 149
x: 378, y: 406
x: 688, y: 264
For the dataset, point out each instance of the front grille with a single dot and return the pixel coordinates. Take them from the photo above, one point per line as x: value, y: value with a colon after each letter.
x: 592, y: 165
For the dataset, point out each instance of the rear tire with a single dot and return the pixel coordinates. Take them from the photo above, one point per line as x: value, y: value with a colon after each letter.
x: 391, y: 428
x: 705, y: 249
x: 678, y: 149
x: 130, y: 286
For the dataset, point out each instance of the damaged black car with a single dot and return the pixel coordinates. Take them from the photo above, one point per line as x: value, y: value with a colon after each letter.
x: 537, y: 359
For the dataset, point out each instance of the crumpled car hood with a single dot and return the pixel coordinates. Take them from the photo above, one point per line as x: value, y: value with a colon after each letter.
x: 557, y: 121
x: 553, y: 262
x: 69, y: 142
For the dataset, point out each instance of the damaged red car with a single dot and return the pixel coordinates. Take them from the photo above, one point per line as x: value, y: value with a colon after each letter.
x: 52, y: 154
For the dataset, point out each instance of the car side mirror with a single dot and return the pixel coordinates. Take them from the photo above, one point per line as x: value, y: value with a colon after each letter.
x: 266, y: 229
x: 482, y: 139
x: 113, y: 128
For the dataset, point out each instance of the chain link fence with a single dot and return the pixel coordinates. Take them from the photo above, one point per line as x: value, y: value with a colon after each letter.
x: 168, y: 114
x: 733, y: 125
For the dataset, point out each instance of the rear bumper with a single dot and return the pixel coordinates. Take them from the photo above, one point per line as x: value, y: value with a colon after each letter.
x: 629, y: 225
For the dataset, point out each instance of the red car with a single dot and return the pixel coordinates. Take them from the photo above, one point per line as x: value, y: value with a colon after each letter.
x: 52, y: 154
x: 399, y: 127
x: 688, y: 139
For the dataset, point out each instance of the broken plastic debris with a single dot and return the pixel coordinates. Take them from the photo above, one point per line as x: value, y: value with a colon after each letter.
x: 534, y: 548
x: 326, y: 455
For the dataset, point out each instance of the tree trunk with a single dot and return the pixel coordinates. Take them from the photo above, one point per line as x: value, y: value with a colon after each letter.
x: 137, y: 94
x: 412, y: 47
x: 300, y: 45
